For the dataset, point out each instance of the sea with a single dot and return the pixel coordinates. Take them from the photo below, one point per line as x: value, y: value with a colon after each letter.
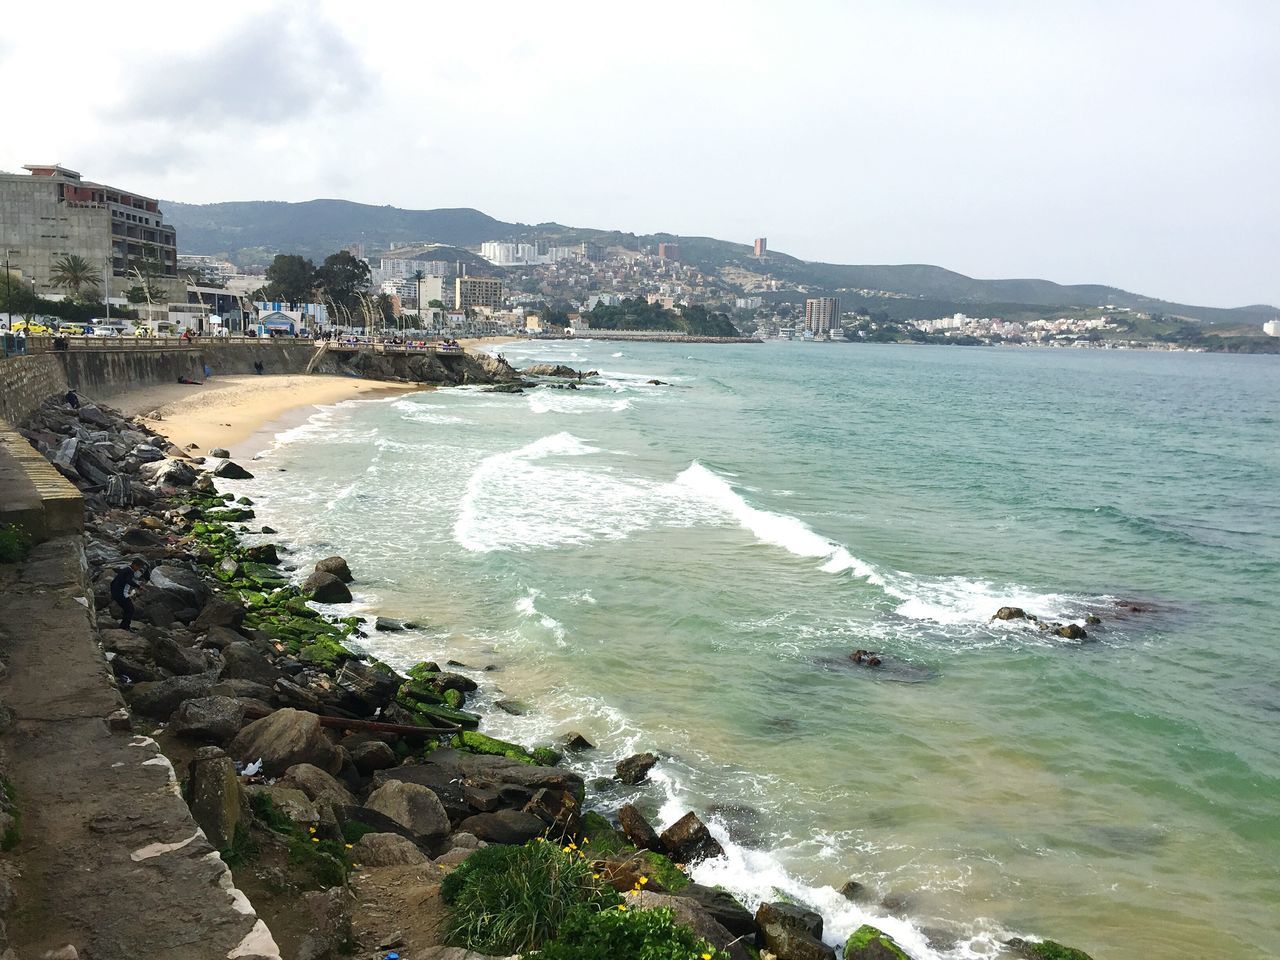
x: 686, y: 567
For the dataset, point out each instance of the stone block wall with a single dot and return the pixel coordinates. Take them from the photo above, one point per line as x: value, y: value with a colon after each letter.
x: 26, y: 381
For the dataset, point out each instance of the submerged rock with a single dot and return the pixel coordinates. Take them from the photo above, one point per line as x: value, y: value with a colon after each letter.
x: 871, y: 943
x: 1045, y: 950
x: 1009, y: 613
x: 635, y: 769
x: 230, y: 470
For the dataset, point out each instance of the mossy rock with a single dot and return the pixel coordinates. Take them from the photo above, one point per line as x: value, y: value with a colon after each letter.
x: 454, y: 698
x: 473, y: 742
x: 298, y: 607
x: 1046, y: 950
x: 420, y: 692
x: 325, y: 653
x: 872, y: 943
x: 430, y: 713
x: 231, y: 515
x: 600, y: 837
x: 425, y: 672
x: 665, y: 872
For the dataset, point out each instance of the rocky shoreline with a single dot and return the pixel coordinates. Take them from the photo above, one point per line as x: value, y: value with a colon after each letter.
x: 340, y: 792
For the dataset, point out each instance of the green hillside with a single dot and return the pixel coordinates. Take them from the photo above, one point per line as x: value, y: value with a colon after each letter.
x: 251, y: 232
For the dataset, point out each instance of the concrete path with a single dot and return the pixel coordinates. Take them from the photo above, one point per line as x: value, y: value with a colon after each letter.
x: 111, y: 861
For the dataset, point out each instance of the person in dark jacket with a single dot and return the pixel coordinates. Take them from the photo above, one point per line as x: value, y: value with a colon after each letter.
x: 126, y: 581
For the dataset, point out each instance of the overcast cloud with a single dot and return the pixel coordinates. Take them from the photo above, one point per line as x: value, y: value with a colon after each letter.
x: 1130, y: 143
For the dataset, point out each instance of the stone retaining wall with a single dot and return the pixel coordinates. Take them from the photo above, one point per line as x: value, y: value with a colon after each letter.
x: 27, y: 380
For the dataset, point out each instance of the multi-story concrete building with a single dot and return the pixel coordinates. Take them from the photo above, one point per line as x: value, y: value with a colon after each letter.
x: 668, y: 251
x: 762, y: 246
x: 821, y: 314
x: 1271, y: 328
x: 473, y: 292
x: 434, y: 287
x: 53, y: 213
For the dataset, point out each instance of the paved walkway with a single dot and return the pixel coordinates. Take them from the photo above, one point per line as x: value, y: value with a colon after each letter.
x: 111, y: 861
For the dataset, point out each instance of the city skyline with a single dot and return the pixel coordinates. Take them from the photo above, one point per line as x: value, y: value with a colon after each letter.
x: 1131, y: 147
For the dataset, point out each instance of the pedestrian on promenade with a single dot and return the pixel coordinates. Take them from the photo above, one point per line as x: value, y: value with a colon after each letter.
x: 127, y: 581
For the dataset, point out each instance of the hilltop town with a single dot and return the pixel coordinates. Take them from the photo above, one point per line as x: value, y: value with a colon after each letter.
x: 87, y: 257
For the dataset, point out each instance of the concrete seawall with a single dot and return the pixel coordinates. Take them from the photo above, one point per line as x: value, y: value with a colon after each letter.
x: 26, y: 381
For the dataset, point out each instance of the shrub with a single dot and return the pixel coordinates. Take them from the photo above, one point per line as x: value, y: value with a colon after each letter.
x: 635, y: 934
x: 14, y: 543
x: 508, y: 899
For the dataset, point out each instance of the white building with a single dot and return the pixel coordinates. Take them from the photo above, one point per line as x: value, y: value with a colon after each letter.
x: 749, y: 303
x: 1271, y: 328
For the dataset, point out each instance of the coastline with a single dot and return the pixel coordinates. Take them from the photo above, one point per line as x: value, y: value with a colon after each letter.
x: 241, y: 410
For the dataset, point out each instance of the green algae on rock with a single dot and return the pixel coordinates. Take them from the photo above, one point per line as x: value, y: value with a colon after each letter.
x: 872, y: 943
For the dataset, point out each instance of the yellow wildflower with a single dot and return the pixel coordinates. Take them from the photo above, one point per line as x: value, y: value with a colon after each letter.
x: 644, y: 880
x: 315, y: 839
x: 622, y: 906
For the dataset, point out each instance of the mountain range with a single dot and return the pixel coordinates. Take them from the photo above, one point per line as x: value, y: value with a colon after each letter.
x: 251, y: 232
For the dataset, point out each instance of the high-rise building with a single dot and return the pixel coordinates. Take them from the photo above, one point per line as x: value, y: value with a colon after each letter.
x: 821, y: 314
x: 668, y: 251
x: 53, y: 213
x: 762, y: 246
x: 434, y: 287
x: 469, y: 292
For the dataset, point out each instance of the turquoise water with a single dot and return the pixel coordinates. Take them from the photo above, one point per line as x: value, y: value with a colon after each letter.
x: 686, y: 568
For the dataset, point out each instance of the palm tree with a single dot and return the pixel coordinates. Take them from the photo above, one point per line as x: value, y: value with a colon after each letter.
x: 73, y: 272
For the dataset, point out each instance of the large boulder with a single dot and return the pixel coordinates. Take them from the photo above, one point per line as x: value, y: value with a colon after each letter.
x: 208, y: 718
x: 872, y: 943
x: 635, y: 769
x: 371, y: 756
x: 230, y: 470
x: 637, y: 828
x: 412, y: 806
x: 317, y: 785
x: 283, y: 739
x: 168, y: 473
x: 242, y: 661
x: 326, y: 588
x: 366, y: 686
x: 791, y: 932
x: 386, y: 850
x: 174, y: 657
x: 328, y: 924
x: 215, y: 796
x: 504, y: 826
x: 688, y: 840
x: 335, y: 566
x: 160, y: 698
x: 723, y: 907
x: 219, y: 613
x: 181, y: 582
x: 1008, y: 613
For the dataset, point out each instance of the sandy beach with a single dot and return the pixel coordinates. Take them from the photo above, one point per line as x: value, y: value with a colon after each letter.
x: 241, y: 413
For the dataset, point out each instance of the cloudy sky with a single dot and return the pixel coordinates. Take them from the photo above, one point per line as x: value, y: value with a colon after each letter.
x: 1124, y: 142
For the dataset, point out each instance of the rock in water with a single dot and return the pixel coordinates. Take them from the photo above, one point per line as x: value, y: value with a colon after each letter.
x: 791, y: 932
x: 871, y: 943
x: 337, y: 567
x: 688, y: 840
x: 1072, y: 631
x: 633, y: 770
x: 1045, y: 950
x: 1009, y: 613
x: 230, y: 470
x: 326, y: 588
x: 637, y: 829
x: 220, y: 452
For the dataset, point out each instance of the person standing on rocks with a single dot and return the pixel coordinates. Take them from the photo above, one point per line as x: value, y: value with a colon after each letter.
x: 123, y: 585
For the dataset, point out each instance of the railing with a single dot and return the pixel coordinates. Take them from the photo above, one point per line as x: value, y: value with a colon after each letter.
x: 48, y: 344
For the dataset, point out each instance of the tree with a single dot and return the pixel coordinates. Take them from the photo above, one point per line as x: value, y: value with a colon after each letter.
x: 73, y: 272
x: 343, y: 278
x: 290, y: 278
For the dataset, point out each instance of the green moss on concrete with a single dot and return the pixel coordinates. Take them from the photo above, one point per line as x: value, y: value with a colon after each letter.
x: 867, y: 937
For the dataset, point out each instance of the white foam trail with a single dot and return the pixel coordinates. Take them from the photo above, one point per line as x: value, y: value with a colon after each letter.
x: 574, y: 402
x: 776, y: 529
x: 527, y: 606
x: 618, y: 354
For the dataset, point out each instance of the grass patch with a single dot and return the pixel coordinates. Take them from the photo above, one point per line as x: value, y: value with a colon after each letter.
x: 243, y: 850
x: 508, y: 899
x: 15, y: 543
x: 13, y: 835
x: 651, y: 934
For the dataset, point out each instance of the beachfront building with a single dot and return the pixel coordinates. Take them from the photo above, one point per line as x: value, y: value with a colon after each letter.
x: 470, y: 293
x: 52, y: 212
x: 436, y: 286
x: 821, y: 314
